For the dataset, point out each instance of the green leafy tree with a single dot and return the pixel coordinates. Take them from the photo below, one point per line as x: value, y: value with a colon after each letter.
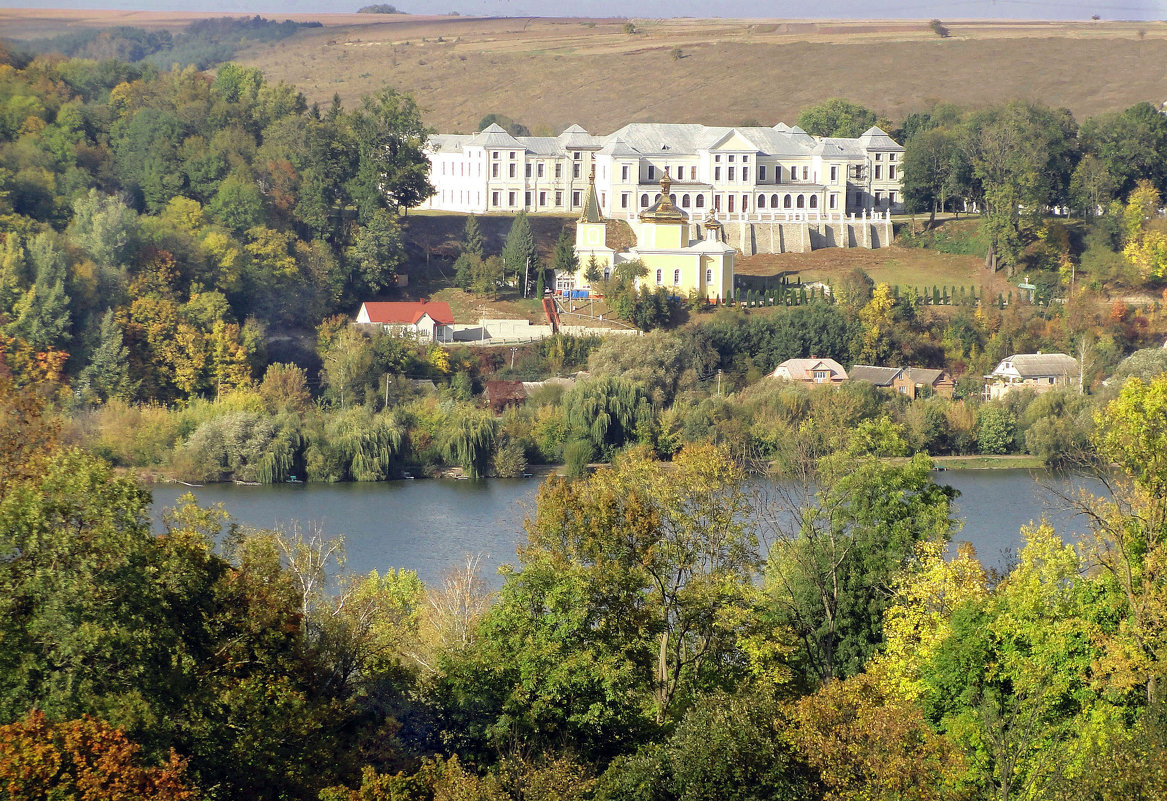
x: 378, y: 250
x: 633, y: 585
x: 726, y: 746
x: 856, y: 521
x: 836, y: 117
x: 995, y: 428
x: 393, y: 171
x: 1129, y: 145
x: 930, y: 166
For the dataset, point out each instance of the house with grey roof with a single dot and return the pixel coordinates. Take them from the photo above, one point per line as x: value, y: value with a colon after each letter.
x: 1039, y: 371
x: 744, y: 174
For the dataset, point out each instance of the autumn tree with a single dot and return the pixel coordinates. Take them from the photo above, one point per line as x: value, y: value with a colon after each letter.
x: 84, y: 758
x: 864, y: 743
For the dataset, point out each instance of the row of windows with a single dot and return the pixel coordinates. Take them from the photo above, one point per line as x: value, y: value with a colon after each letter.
x: 495, y: 197
x: 660, y: 277
x: 773, y: 201
x: 537, y: 170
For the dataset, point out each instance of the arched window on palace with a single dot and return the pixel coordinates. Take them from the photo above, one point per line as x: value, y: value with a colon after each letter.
x: 801, y: 202
x: 660, y: 277
x: 644, y: 201
x: 684, y: 201
x: 700, y: 201
x: 773, y: 201
x: 814, y: 201
x: 761, y: 201
x: 709, y: 275
x: 786, y: 202
x: 676, y: 277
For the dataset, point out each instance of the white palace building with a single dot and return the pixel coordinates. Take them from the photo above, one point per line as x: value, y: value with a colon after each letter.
x: 745, y: 175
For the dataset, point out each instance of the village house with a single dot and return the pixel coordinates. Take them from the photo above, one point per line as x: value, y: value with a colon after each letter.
x: 909, y: 381
x: 927, y: 381
x: 425, y: 320
x: 812, y: 371
x: 684, y: 267
x: 891, y: 378
x: 1038, y: 371
x: 779, y: 188
x: 499, y: 395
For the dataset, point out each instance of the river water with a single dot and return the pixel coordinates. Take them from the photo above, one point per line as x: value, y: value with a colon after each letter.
x: 429, y: 526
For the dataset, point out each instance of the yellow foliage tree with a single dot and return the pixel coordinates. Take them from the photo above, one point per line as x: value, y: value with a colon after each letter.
x: 925, y: 596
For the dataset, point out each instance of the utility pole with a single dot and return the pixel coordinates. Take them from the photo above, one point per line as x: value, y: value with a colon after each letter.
x: 386, y: 404
x: 719, y: 382
x: 526, y: 270
x: 513, y: 351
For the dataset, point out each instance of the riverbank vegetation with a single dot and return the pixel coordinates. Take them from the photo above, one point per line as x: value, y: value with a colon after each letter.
x: 665, y: 634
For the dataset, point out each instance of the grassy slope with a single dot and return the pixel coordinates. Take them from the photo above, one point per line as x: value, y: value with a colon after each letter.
x: 548, y: 73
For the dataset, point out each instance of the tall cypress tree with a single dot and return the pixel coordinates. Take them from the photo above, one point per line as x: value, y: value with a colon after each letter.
x: 108, y: 373
x: 519, y: 248
x: 565, y: 260
x: 41, y: 314
x: 472, y: 244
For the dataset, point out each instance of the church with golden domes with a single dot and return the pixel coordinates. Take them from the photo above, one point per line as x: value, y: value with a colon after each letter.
x: 685, y: 265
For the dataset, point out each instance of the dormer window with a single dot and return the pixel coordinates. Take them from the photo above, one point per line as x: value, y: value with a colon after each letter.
x: 822, y: 376
x: 651, y: 172
x: 731, y: 159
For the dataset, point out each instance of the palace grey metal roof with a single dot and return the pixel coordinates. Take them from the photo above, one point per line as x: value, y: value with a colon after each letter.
x: 618, y: 148
x: 664, y: 139
x: 494, y: 136
x: 686, y: 139
x: 875, y: 138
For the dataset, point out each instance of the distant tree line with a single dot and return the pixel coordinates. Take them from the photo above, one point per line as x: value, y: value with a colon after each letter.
x: 203, y: 43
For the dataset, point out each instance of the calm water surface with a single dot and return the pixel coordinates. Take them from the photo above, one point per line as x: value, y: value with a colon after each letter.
x: 428, y: 526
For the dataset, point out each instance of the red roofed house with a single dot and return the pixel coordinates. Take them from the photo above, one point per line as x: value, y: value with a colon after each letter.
x: 422, y: 319
x: 811, y: 371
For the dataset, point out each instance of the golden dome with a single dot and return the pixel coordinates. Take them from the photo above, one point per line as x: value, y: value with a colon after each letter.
x: 663, y: 211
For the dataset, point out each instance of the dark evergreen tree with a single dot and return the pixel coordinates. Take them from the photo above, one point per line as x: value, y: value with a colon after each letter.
x: 519, y: 254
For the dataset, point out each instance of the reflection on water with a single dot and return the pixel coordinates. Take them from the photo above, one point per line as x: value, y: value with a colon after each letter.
x: 429, y: 526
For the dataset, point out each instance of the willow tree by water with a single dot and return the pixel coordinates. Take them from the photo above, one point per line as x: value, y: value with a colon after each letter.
x: 467, y: 438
